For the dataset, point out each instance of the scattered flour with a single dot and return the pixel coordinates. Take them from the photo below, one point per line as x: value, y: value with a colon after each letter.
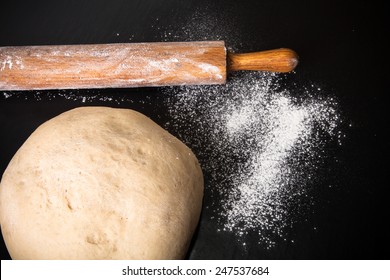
x: 260, y: 141
x: 8, y: 62
x: 83, y: 96
x: 258, y: 146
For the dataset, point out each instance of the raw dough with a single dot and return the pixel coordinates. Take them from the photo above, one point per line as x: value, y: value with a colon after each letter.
x: 100, y: 183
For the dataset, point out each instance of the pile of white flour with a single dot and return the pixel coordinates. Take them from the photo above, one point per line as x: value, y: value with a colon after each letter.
x: 258, y: 145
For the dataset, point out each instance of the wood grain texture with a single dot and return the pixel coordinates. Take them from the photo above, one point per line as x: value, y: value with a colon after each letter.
x: 112, y: 65
x: 278, y: 60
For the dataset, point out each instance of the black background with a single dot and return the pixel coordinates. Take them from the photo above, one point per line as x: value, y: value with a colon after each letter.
x: 340, y: 44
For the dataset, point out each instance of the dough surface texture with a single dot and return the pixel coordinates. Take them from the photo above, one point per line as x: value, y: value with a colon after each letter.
x: 100, y: 183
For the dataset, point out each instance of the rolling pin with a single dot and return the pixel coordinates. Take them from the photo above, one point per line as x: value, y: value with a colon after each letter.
x: 131, y: 65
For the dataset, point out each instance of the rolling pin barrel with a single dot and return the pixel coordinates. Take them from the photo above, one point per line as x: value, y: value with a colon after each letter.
x: 130, y: 65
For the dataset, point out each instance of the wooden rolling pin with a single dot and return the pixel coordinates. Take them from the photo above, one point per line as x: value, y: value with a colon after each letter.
x: 130, y: 65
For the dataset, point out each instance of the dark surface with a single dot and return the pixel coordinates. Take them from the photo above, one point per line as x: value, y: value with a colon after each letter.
x: 340, y: 47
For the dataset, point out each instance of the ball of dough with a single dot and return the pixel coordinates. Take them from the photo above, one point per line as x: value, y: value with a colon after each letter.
x: 100, y: 183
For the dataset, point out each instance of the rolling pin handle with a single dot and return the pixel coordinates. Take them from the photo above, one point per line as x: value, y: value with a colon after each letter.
x: 277, y: 60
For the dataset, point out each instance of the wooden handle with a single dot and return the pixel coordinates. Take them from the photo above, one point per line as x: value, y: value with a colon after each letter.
x: 278, y: 60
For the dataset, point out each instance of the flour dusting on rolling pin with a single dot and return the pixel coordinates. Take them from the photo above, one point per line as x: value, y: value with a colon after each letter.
x: 131, y: 65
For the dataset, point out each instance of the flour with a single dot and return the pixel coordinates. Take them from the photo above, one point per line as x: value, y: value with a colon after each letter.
x: 260, y: 142
x: 8, y: 63
x: 258, y: 146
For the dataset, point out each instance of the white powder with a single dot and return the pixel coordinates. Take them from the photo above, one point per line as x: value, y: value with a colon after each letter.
x: 7, y: 62
x: 83, y: 96
x: 251, y: 138
x: 259, y: 142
